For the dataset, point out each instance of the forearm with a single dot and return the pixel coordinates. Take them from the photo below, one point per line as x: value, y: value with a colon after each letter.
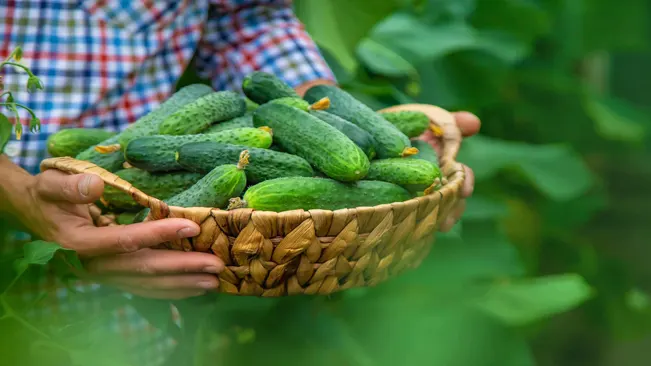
x: 14, y: 185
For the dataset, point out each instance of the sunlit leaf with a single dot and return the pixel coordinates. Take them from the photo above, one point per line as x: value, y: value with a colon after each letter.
x: 5, y: 131
x: 617, y: 120
x: 41, y: 252
x: 523, y: 301
x: 382, y: 60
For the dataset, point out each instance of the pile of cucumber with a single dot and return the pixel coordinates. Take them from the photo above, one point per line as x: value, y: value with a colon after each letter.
x: 268, y: 149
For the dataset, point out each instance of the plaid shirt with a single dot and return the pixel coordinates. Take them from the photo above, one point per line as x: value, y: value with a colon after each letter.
x: 106, y: 63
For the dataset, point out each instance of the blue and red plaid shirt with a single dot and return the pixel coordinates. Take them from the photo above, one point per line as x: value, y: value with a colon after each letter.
x: 106, y: 63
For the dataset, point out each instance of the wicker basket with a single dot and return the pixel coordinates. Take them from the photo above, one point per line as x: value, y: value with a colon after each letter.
x: 309, y: 252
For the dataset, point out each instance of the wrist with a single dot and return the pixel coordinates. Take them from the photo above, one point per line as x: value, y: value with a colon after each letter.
x: 14, y: 186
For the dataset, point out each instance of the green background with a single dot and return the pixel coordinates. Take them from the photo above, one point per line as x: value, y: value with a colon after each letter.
x: 549, y: 264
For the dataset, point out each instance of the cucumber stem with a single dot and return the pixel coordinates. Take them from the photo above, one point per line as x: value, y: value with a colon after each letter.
x: 409, y: 151
x: 436, y: 130
x: 244, y: 160
x: 235, y: 203
x: 321, y: 104
x: 105, y: 149
x: 267, y: 129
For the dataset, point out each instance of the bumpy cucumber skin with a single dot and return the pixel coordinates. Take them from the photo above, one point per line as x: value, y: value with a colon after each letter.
x: 150, y: 123
x: 284, y: 194
x: 213, y: 190
x: 111, y: 161
x: 411, y: 123
x: 238, y: 122
x: 425, y: 152
x: 201, y: 113
x: 158, y: 153
x: 389, y: 141
x: 161, y: 186
x: 263, y: 165
x: 323, y: 146
x: 293, y: 102
x: 415, y: 175
x: 262, y: 87
x: 359, y: 136
x: 72, y: 141
x: 144, y: 126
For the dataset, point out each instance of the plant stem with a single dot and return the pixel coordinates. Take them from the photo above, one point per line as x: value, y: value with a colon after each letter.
x: 15, y: 64
x: 14, y: 104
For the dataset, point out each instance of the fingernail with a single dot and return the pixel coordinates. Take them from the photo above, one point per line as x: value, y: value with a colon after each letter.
x: 212, y: 269
x: 84, y: 186
x: 187, y: 232
x: 208, y: 285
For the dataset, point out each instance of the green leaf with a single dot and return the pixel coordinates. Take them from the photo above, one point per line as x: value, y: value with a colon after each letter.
x: 406, y: 35
x: 524, y: 301
x: 556, y: 170
x: 5, y: 131
x: 41, y: 252
x: 484, y: 208
x: 338, y: 25
x: 615, y: 119
x: 384, y: 61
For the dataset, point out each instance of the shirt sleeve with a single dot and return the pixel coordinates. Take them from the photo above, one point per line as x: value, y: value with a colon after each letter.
x: 242, y: 36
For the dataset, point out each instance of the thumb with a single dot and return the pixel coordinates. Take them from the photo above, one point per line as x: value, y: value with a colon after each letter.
x: 79, y: 188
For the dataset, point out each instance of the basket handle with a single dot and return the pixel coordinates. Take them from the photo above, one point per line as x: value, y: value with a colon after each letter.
x: 158, y: 208
x: 451, y: 134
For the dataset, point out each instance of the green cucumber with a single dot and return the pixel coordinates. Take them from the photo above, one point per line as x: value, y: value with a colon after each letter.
x: 238, y: 122
x: 425, y: 152
x: 125, y: 218
x: 284, y: 194
x: 411, y: 123
x: 250, y: 105
x: 198, y: 115
x: 323, y: 146
x: 415, y: 175
x: 389, y: 141
x: 112, y: 159
x: 159, y: 185
x: 72, y: 141
x: 150, y: 123
x: 263, y: 165
x: 214, y: 190
x: 158, y: 153
x: 359, y: 136
x: 262, y: 87
x: 295, y: 102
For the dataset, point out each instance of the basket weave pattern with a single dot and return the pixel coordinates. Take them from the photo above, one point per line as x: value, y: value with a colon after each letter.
x: 308, y: 252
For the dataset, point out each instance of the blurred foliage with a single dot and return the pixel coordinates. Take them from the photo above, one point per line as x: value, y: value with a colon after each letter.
x: 538, y: 73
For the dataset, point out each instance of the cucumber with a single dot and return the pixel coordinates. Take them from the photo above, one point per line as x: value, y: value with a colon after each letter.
x: 284, y: 194
x: 125, y: 218
x: 263, y: 164
x: 72, y: 141
x: 415, y: 175
x: 425, y: 152
x: 111, y: 161
x: 301, y: 104
x: 159, y: 185
x: 389, y: 141
x: 198, y: 115
x: 213, y: 190
x: 158, y: 153
x: 262, y: 87
x: 250, y: 105
x: 411, y: 123
x: 322, y: 145
x: 243, y: 121
x: 110, y: 158
x: 359, y: 136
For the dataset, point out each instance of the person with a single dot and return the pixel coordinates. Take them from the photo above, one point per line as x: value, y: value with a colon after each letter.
x: 106, y: 63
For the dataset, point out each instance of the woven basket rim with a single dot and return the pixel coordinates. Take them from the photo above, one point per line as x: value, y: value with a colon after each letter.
x: 450, y: 143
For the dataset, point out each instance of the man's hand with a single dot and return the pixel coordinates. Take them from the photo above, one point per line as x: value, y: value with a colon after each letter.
x: 54, y: 206
x: 469, y: 125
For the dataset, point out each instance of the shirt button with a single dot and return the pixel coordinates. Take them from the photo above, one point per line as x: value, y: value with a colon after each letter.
x: 12, y: 149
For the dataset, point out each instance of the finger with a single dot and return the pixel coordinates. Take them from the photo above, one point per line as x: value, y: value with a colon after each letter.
x: 162, y: 295
x: 79, y: 188
x: 194, y: 282
x: 468, y: 123
x: 156, y: 262
x: 453, y: 217
x: 97, y: 241
x: 469, y: 182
